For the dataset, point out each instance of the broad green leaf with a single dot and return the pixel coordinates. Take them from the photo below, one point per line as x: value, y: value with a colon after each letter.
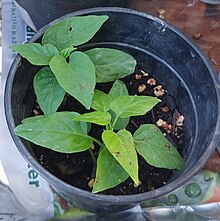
x: 121, y: 146
x: 77, y: 77
x: 32, y: 119
x: 49, y: 93
x: 156, y: 149
x: 111, y: 64
x: 35, y: 53
x: 128, y: 106
x: 95, y: 117
x: 67, y: 51
x: 101, y: 101
x: 73, y: 31
x: 109, y: 172
x: 118, y: 89
x: 57, y: 132
x: 121, y: 123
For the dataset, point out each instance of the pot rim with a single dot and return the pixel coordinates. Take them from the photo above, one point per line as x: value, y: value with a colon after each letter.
x: 110, y: 199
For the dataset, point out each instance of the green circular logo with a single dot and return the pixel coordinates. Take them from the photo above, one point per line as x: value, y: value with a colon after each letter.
x: 172, y: 199
x: 193, y: 190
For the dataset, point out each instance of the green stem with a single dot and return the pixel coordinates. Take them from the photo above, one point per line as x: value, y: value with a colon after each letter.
x: 96, y: 141
x: 108, y: 127
x: 93, y: 156
x: 94, y: 163
x: 114, y: 122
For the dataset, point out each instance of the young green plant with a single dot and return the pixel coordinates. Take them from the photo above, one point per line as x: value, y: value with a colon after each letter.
x: 68, y: 70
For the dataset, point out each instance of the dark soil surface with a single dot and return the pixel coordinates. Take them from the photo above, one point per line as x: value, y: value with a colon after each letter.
x: 76, y: 169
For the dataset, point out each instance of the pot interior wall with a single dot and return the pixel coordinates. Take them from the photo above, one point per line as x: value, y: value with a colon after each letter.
x: 161, y: 51
x: 190, y: 103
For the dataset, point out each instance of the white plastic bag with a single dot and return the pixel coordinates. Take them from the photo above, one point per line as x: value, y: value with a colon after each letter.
x: 31, y: 191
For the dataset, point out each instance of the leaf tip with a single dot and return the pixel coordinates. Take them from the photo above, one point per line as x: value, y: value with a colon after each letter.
x: 181, y: 164
x: 17, y: 130
x: 137, y: 183
x: 106, y: 17
x: 14, y: 47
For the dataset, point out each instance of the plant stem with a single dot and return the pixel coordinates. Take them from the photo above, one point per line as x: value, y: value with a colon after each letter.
x: 92, y: 155
x: 114, y: 122
x: 96, y: 141
x: 108, y: 127
x: 94, y: 163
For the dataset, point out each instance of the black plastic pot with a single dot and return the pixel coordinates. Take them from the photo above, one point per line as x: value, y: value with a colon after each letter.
x: 44, y: 11
x: 175, y: 62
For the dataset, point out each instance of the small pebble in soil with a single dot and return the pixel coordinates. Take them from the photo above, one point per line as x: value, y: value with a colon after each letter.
x: 36, y: 112
x: 141, y: 88
x: 151, y: 81
x: 165, y: 109
x: 166, y: 126
x: 144, y: 73
x: 138, y: 76
x: 91, y: 183
x: 179, y: 120
x: 159, y: 91
x: 159, y: 123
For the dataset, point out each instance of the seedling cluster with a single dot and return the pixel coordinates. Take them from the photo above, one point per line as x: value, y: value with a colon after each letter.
x: 67, y: 70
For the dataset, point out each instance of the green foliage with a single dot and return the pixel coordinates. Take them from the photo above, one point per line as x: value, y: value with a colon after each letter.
x: 49, y: 93
x: 66, y: 52
x: 77, y: 77
x: 96, y: 117
x: 57, y: 132
x: 101, y: 101
x: 109, y: 172
x: 128, y: 106
x: 76, y: 73
x: 118, y: 89
x: 35, y: 53
x: 111, y: 64
x: 121, y: 146
x: 73, y: 31
x: 156, y: 149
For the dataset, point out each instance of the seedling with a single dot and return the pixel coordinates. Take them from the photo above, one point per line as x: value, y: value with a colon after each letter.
x: 69, y: 70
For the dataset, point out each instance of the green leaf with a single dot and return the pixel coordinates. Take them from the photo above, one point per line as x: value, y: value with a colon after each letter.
x: 57, y: 132
x: 96, y: 117
x: 121, y: 123
x: 121, y: 146
x: 128, y: 106
x: 118, y: 89
x: 101, y: 101
x: 49, y: 93
x: 67, y: 51
x: 35, y: 53
x: 77, y: 78
x: 109, y: 172
x: 111, y: 64
x: 156, y: 149
x: 73, y: 31
x: 32, y: 119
